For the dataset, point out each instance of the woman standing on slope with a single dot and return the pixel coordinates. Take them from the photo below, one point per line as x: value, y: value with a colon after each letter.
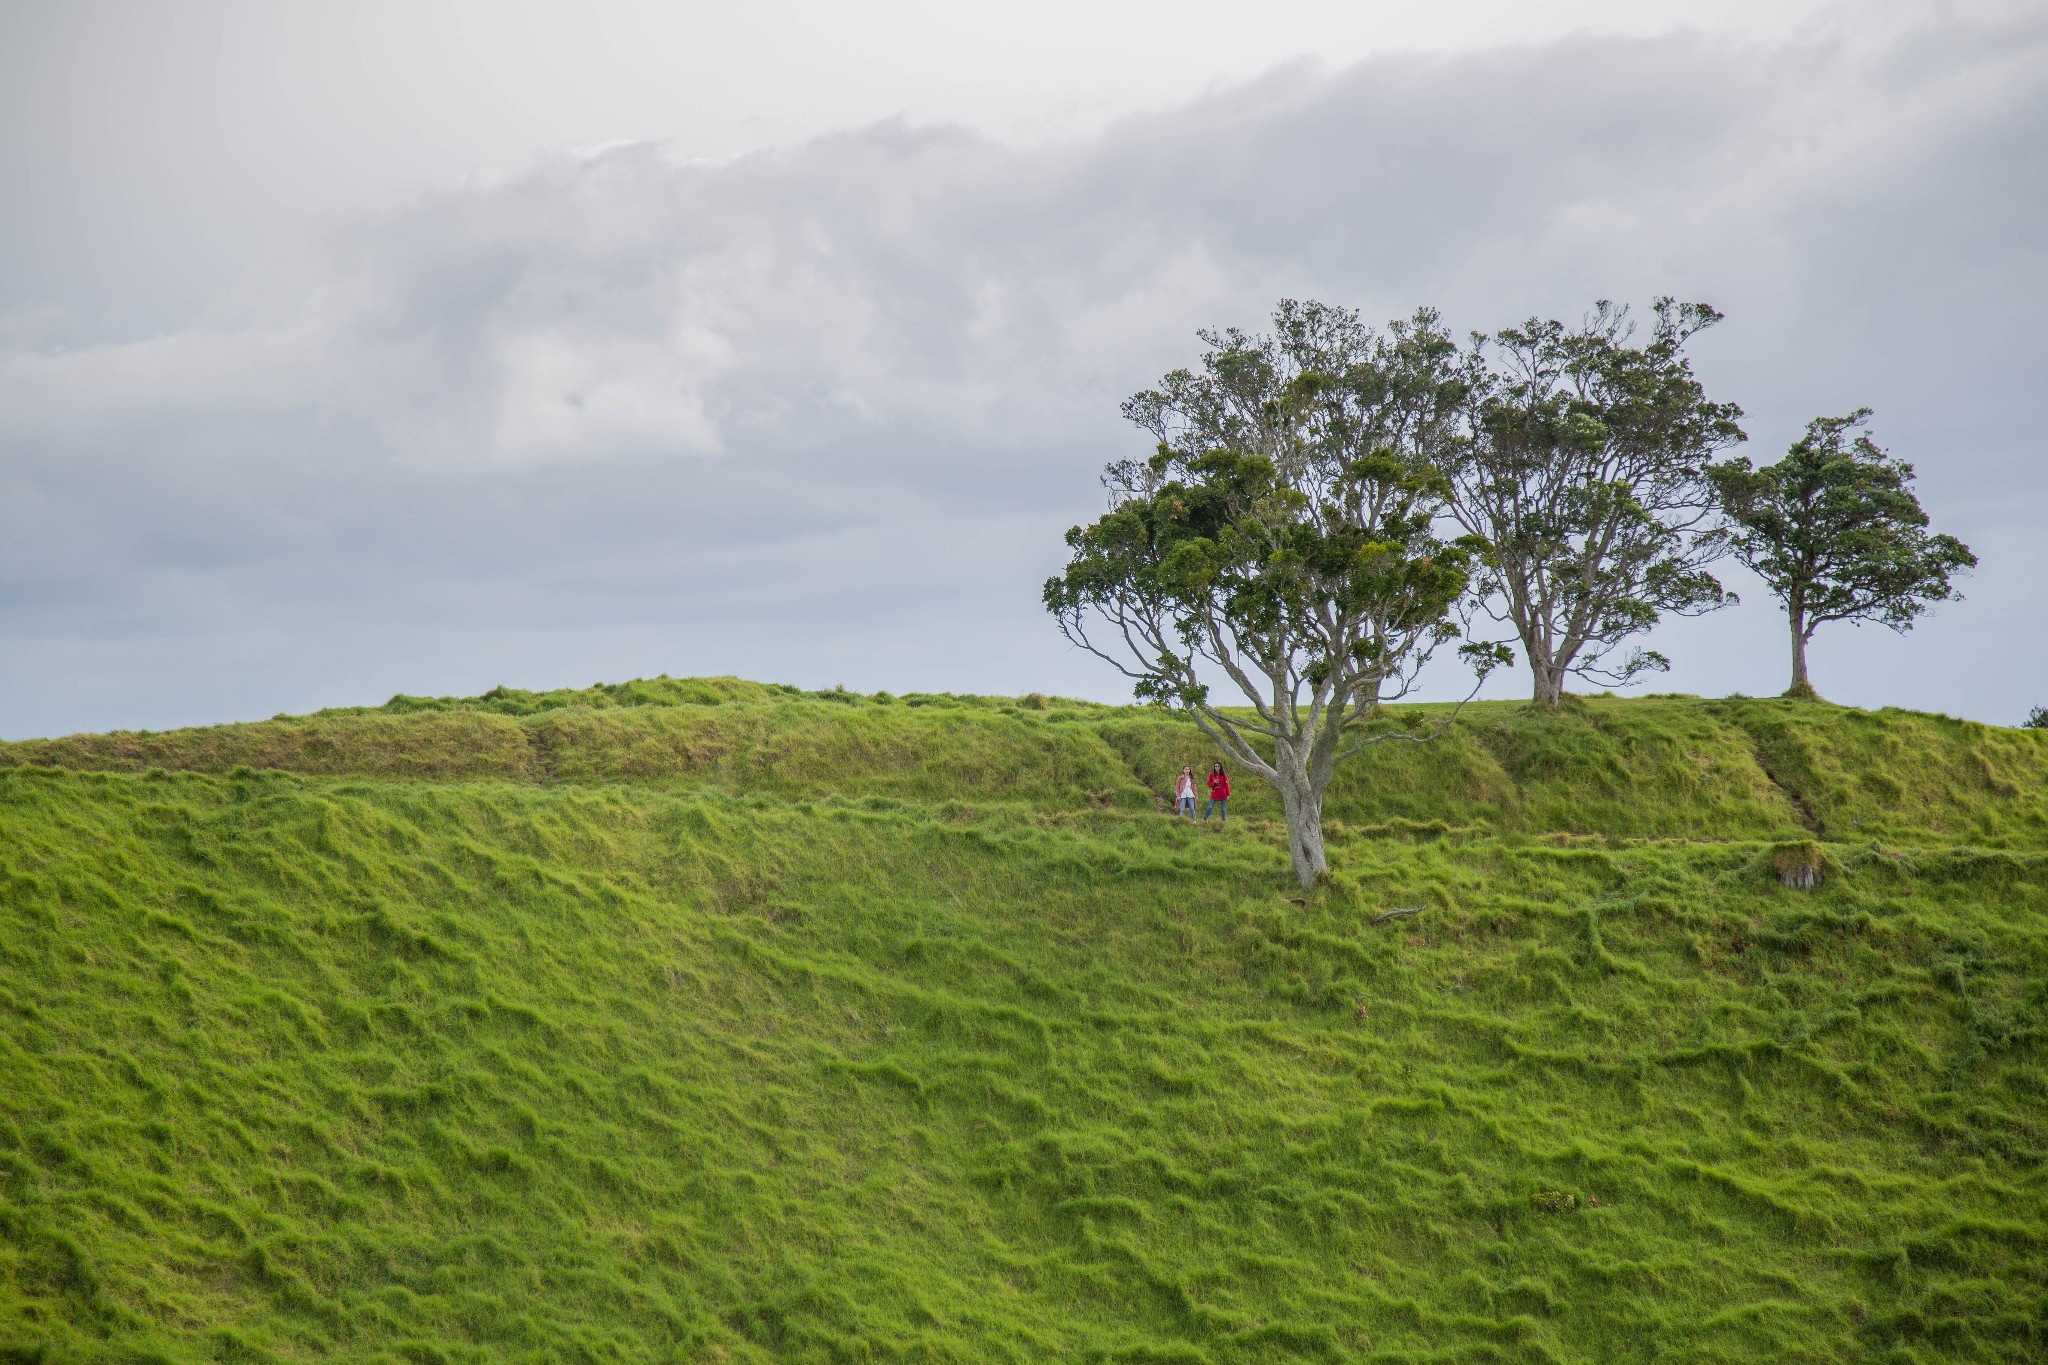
x: 1184, y: 793
x: 1219, y: 794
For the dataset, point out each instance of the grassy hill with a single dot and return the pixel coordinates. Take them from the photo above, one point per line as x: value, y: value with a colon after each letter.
x: 710, y: 1021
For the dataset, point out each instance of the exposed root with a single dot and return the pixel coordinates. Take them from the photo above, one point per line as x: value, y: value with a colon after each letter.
x: 1804, y: 865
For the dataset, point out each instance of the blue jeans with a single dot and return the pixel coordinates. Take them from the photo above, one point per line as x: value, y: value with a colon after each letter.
x: 1222, y: 809
x: 1185, y: 806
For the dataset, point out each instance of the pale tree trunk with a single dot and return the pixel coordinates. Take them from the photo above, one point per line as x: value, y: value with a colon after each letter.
x: 1544, y: 669
x: 1549, y: 678
x: 1302, y: 801
x: 1801, y: 633
x: 1538, y: 647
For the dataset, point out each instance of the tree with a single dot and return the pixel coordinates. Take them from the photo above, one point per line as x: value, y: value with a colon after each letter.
x: 1835, y: 531
x: 1282, y: 536
x: 1585, y: 475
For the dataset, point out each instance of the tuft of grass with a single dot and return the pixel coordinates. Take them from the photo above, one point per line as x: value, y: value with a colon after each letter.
x: 786, y: 1028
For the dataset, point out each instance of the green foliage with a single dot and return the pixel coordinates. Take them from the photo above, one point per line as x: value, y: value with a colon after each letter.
x: 1585, y: 477
x: 1283, y: 538
x: 1836, y: 523
x: 1836, y: 532
x: 736, y: 1056
x: 1282, y: 531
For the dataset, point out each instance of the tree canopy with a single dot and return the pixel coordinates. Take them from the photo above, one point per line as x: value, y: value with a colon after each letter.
x: 1282, y: 539
x: 1585, y: 477
x: 1328, y: 506
x: 1836, y: 532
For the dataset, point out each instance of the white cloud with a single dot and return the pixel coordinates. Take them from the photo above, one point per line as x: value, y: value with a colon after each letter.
x: 824, y: 411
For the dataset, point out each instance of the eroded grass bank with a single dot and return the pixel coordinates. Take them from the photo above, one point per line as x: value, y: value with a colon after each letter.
x: 305, y: 1067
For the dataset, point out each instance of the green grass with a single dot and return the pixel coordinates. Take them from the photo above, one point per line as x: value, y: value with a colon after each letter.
x: 716, y: 1022
x: 1658, y: 767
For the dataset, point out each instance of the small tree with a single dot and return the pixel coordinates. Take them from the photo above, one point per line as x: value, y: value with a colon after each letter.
x: 1585, y: 474
x: 2037, y: 719
x: 1835, y: 531
x: 1282, y: 536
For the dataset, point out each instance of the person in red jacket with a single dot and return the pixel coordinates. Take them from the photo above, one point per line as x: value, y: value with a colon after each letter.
x: 1219, y: 794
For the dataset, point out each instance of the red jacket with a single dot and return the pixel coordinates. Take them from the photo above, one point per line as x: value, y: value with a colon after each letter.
x: 1219, y: 787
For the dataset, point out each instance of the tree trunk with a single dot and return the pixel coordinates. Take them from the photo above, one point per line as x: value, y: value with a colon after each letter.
x: 1549, y: 681
x: 1304, y: 809
x: 1543, y: 667
x: 1800, y: 686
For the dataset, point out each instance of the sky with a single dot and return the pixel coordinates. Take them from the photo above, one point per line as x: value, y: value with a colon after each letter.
x: 350, y: 350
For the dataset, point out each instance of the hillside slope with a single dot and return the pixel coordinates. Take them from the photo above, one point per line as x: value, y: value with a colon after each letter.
x: 1658, y: 767
x: 709, y: 1021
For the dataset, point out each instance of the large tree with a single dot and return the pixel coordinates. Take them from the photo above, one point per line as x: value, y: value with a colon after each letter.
x: 1585, y: 475
x: 1281, y: 542
x: 1835, y: 531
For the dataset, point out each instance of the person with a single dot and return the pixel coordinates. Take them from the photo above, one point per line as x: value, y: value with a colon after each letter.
x: 1219, y: 794
x: 1184, y: 793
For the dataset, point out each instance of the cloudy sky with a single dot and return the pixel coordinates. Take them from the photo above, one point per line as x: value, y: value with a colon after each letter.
x: 355, y: 349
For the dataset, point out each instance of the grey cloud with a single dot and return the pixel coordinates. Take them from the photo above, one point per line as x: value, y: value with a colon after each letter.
x: 822, y: 412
